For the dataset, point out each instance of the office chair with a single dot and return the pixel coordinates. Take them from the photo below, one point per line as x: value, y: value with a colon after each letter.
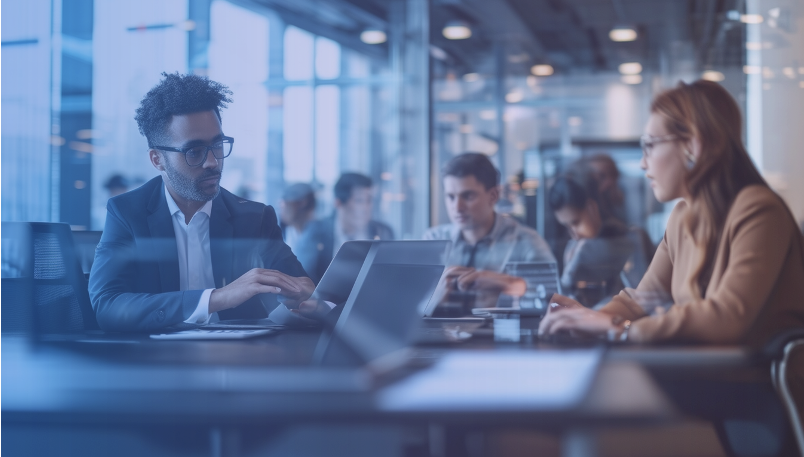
x: 47, y: 288
x: 778, y: 351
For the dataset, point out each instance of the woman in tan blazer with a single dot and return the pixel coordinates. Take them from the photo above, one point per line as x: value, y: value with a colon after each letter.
x: 730, y: 268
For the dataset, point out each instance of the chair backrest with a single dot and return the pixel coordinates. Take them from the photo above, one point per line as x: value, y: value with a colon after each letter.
x: 47, y: 291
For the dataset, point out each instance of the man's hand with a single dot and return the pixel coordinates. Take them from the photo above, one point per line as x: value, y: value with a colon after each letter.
x: 259, y: 281
x: 312, y: 309
x: 291, y: 300
x: 492, y: 282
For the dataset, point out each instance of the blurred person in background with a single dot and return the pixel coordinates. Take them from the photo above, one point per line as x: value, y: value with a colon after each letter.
x: 731, y: 263
x: 354, y: 203
x: 296, y: 211
x: 483, y: 241
x: 116, y: 185
x: 607, y: 175
x: 601, y: 246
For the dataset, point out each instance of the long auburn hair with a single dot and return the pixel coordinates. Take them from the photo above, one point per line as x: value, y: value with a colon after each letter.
x: 706, y: 111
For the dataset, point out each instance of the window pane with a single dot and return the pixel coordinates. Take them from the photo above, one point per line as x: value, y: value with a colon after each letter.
x: 327, y: 136
x: 127, y: 64
x: 327, y: 58
x: 26, y: 130
x: 298, y: 134
x: 240, y: 61
x: 298, y: 54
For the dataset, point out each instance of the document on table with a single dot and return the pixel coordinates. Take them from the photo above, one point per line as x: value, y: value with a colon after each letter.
x: 497, y: 381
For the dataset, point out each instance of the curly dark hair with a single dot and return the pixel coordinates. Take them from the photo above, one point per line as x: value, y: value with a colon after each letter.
x: 175, y: 95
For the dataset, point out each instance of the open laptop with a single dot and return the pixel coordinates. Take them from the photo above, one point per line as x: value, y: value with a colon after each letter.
x: 371, y: 337
x: 542, y: 282
x: 335, y: 287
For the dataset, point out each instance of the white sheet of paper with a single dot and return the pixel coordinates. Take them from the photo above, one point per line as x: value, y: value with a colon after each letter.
x: 497, y: 380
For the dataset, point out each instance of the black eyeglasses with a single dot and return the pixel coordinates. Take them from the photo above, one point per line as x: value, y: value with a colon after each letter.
x: 197, y: 155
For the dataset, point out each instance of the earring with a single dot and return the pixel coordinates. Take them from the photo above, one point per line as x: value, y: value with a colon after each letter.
x: 690, y: 158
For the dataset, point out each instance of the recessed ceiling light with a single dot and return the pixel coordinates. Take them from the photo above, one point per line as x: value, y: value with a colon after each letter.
x: 712, y: 75
x: 752, y: 69
x: 631, y: 79
x: 751, y: 19
x: 373, y: 36
x: 457, y: 30
x: 515, y: 96
x: 630, y: 68
x: 542, y: 70
x: 623, y: 33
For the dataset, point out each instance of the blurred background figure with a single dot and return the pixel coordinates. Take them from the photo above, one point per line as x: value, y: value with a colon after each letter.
x: 351, y: 220
x: 607, y: 175
x: 296, y: 211
x: 116, y: 185
x: 604, y: 254
x: 483, y: 241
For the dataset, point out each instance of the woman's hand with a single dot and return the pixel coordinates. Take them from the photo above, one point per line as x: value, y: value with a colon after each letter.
x: 566, y: 314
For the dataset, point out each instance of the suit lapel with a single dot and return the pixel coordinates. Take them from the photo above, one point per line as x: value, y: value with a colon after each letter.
x: 221, y: 239
x: 161, y: 227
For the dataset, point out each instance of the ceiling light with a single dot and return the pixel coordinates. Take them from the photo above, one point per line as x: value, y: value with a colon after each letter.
x: 631, y: 79
x: 515, y: 96
x: 457, y: 30
x: 751, y: 19
x: 542, y: 70
x: 630, y: 68
x: 752, y: 69
x: 623, y: 33
x: 373, y: 36
x: 712, y: 75
x: 789, y: 72
x: 471, y: 77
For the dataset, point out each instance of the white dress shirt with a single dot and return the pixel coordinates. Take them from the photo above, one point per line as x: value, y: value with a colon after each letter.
x: 195, y: 258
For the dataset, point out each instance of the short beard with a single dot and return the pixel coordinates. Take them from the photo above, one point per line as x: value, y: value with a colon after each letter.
x: 186, y: 187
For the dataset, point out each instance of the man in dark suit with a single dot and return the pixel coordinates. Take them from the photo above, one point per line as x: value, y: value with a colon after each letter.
x: 180, y: 249
x: 354, y: 200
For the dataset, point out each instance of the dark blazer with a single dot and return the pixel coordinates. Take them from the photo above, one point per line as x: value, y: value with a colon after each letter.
x: 134, y: 283
x: 318, y: 240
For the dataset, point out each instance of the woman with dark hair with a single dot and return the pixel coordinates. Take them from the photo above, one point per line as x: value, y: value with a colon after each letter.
x: 731, y: 264
x: 601, y: 245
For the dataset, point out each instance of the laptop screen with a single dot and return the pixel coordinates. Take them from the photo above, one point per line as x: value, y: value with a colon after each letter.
x: 396, y: 280
x: 542, y: 281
